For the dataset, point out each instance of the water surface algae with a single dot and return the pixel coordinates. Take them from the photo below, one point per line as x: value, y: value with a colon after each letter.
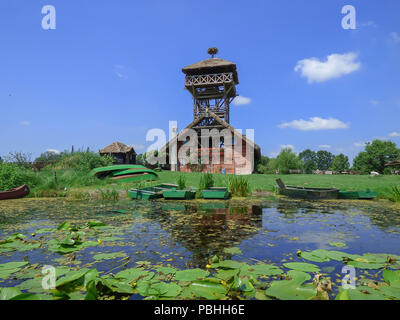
x: 207, y: 250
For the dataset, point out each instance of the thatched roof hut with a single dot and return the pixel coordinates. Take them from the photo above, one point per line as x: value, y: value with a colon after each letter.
x: 393, y: 163
x: 122, y: 153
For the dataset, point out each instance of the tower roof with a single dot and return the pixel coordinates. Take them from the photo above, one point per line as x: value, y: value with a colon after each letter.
x: 209, y: 66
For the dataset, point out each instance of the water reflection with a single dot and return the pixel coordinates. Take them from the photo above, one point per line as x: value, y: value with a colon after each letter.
x: 207, y: 229
x: 192, y: 232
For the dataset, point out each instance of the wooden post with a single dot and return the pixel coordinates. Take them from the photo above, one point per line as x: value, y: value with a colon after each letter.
x: 55, y: 177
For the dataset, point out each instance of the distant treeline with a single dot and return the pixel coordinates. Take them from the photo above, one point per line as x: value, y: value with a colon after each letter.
x: 374, y: 158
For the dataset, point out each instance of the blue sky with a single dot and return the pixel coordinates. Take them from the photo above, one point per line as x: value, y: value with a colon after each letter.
x: 111, y: 70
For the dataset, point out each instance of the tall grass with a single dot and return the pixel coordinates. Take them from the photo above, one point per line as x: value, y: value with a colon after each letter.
x: 181, y: 181
x: 109, y: 195
x: 239, y: 186
x: 394, y: 194
x: 206, y: 181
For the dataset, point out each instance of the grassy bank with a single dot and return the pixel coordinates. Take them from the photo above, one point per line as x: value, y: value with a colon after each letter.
x: 77, y: 184
x: 258, y: 182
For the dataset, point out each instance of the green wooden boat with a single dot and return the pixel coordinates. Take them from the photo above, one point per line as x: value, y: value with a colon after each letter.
x: 186, y: 194
x: 125, y: 173
x: 150, y: 193
x: 307, y: 193
x: 105, y: 171
x: 216, y: 193
x: 367, y: 194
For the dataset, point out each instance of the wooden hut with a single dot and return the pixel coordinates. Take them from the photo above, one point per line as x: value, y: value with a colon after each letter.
x: 122, y: 153
x: 395, y: 164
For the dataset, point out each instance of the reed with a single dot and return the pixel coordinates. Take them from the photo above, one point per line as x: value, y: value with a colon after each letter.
x: 239, y: 186
x: 394, y: 193
x: 181, y: 181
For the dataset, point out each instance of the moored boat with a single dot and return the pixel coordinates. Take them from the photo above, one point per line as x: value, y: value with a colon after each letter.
x: 125, y: 173
x: 150, y: 193
x: 15, y: 193
x: 216, y: 193
x: 175, y: 194
x: 366, y: 195
x: 307, y: 193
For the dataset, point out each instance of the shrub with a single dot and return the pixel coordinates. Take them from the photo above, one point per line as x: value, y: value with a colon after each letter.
x: 83, y: 161
x: 12, y: 176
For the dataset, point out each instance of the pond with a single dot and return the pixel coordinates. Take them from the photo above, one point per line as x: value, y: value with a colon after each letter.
x: 204, y: 237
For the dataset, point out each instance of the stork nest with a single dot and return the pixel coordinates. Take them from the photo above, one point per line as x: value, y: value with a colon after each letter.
x: 212, y: 51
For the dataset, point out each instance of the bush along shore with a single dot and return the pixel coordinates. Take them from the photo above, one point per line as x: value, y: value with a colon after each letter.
x: 66, y: 175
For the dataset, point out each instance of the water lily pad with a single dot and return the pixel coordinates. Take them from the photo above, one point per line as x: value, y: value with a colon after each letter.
x: 298, y: 277
x: 132, y: 274
x: 108, y: 256
x: 9, y: 293
x: 166, y: 270
x: 233, y: 250
x: 337, y: 244
x: 290, y: 290
x: 314, y: 257
x: 227, y: 264
x: 207, y: 289
x: 191, y: 274
x: 302, y: 266
x: 265, y: 269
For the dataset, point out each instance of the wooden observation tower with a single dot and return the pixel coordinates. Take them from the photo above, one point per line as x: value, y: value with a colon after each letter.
x: 212, y: 83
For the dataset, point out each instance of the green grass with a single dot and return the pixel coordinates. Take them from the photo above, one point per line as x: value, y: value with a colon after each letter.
x: 382, y: 184
x: 70, y: 181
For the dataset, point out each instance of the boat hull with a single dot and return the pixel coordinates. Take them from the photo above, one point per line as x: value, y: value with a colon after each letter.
x: 179, y: 194
x: 367, y: 195
x: 150, y: 193
x: 310, y: 193
x: 16, y: 193
x: 216, y: 193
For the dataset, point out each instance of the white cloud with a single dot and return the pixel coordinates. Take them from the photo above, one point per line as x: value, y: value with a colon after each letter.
x: 315, y: 123
x: 120, y: 71
x: 287, y: 146
x: 395, y: 37
x: 374, y: 102
x: 241, y: 100
x: 53, y: 151
x: 394, y: 134
x: 369, y: 23
x: 25, y: 123
x: 324, y: 146
x: 359, y: 144
x: 335, y: 66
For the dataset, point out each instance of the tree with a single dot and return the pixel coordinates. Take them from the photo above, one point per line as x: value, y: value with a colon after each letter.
x: 48, y: 157
x: 340, y: 163
x: 287, y: 160
x: 141, y: 159
x: 309, y: 160
x: 375, y: 156
x: 272, y: 166
x: 21, y: 159
x: 324, y: 160
x: 262, y: 165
